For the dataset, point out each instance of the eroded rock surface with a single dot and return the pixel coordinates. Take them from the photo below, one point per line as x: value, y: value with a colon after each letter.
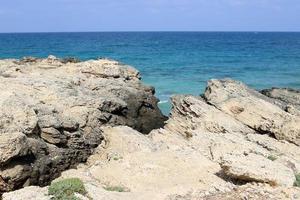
x: 207, y: 150
x: 286, y: 95
x: 251, y: 108
x: 257, y: 168
x: 52, y: 112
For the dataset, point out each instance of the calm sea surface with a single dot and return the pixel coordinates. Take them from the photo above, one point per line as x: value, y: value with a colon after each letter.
x: 176, y: 62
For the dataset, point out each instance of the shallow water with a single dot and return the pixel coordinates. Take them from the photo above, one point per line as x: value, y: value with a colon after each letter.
x: 176, y: 62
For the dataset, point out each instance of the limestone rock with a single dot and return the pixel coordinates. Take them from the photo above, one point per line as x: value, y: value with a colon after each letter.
x: 208, y: 149
x: 53, y: 136
x: 16, y: 114
x: 52, y: 112
x: 12, y: 145
x: 286, y: 95
x: 253, y: 109
x: 28, y: 193
x: 257, y: 168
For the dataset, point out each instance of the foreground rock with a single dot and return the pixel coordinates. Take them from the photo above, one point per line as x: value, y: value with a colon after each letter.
x: 257, y: 168
x: 204, y: 151
x: 52, y: 112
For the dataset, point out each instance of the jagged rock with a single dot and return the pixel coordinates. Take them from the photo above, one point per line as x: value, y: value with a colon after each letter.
x: 148, y: 170
x: 286, y: 95
x: 253, y: 109
x: 184, y: 159
x: 257, y: 168
x: 53, y: 136
x: 16, y: 114
x: 52, y: 112
x: 17, y: 174
x: 142, y: 167
x: 194, y: 112
x: 4, y: 187
x: 12, y: 145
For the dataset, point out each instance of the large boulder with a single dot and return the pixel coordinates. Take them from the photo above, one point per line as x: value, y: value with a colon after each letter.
x: 257, y: 168
x: 253, y: 109
x: 52, y: 112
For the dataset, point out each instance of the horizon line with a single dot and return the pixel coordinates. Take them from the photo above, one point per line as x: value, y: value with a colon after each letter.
x: 151, y: 31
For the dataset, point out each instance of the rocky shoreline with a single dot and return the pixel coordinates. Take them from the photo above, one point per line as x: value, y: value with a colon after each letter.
x: 52, y: 111
x: 232, y: 142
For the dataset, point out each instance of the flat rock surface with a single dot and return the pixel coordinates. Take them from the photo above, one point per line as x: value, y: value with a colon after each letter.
x: 257, y: 168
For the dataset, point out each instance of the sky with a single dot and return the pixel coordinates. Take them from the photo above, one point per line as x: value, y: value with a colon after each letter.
x: 149, y: 15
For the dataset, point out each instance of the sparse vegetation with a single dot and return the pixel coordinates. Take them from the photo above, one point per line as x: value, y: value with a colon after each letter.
x: 297, y: 181
x: 116, y: 189
x: 271, y: 157
x: 66, y: 189
x: 117, y: 158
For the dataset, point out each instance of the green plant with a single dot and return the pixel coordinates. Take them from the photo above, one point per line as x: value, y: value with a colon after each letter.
x: 271, y: 157
x: 297, y: 181
x: 117, y: 158
x: 115, y: 188
x: 66, y: 189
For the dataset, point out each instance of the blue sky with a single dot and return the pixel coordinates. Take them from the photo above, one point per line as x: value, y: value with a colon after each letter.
x: 147, y: 15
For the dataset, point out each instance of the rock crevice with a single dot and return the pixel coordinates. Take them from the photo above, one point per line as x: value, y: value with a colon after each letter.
x: 230, y: 143
x: 52, y: 112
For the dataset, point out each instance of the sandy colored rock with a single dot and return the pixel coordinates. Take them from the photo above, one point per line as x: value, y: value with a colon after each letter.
x: 257, y: 168
x: 249, y: 107
x: 53, y: 136
x: 203, y: 152
x: 12, y: 145
x: 286, y: 95
x: 28, y: 193
x: 132, y: 161
x: 52, y: 112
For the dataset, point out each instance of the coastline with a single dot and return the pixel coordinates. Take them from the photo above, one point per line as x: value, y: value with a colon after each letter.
x: 96, y: 121
x: 176, y: 63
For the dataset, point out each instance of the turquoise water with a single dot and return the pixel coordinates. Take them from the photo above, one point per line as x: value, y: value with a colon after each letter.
x: 176, y: 62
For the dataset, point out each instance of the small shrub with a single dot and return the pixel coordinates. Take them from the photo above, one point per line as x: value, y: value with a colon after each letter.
x: 66, y: 189
x: 115, y: 189
x: 297, y: 181
x: 271, y: 157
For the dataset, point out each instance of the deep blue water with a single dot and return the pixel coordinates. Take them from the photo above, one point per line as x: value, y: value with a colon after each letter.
x: 176, y: 62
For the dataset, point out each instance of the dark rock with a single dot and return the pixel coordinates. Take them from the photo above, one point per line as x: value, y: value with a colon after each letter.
x: 52, y: 113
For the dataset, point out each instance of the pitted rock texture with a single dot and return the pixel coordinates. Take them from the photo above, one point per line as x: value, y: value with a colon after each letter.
x: 52, y: 112
x: 204, y: 151
x: 249, y: 107
x: 257, y: 168
x: 287, y: 96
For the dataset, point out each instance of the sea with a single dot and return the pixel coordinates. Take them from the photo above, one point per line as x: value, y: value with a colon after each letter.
x: 176, y: 62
